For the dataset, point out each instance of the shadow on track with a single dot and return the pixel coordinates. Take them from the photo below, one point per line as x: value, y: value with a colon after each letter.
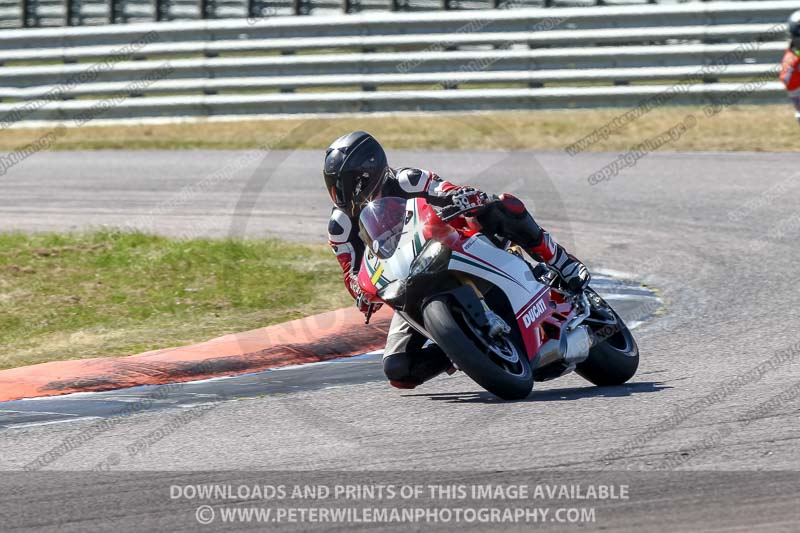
x: 552, y: 395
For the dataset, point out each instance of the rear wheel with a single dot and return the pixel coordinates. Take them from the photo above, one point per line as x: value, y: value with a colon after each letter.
x: 615, y: 358
x: 499, y: 365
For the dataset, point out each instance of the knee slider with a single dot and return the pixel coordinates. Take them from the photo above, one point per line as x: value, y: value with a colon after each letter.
x: 397, y: 367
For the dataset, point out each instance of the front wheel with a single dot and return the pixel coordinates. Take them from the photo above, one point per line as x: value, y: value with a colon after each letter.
x: 614, y: 358
x: 499, y: 365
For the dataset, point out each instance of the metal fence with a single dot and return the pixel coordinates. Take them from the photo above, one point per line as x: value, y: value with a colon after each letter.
x: 491, y: 59
x: 48, y: 13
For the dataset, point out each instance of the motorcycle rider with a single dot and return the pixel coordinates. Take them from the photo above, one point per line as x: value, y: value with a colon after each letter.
x: 791, y: 63
x: 356, y: 171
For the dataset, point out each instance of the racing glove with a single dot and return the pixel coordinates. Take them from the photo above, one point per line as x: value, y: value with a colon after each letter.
x: 469, y: 199
x: 362, y: 301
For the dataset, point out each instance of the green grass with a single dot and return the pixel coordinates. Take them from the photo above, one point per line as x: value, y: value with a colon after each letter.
x: 73, y: 296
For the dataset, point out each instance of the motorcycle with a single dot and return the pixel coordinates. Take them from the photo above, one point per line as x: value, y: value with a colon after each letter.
x: 444, y: 278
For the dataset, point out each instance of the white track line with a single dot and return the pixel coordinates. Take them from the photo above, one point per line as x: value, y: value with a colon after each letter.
x: 35, y: 412
x: 51, y: 422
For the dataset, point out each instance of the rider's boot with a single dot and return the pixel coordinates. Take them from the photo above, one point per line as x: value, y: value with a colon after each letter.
x: 573, y: 272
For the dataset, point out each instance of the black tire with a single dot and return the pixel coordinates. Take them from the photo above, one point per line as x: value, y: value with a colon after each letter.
x: 616, y: 358
x: 447, y: 328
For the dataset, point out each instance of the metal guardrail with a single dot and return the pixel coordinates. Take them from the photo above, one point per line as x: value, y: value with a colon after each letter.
x: 739, y: 32
x: 464, y: 23
x: 47, y: 13
x: 391, y: 101
x: 541, y: 62
x: 382, y: 24
x: 543, y: 58
x: 450, y: 81
x: 678, y: 14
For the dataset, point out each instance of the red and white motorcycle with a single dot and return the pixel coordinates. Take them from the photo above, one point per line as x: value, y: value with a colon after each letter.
x: 444, y: 279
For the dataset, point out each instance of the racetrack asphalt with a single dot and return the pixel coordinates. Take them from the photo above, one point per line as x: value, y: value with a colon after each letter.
x: 719, y: 381
x: 635, y: 304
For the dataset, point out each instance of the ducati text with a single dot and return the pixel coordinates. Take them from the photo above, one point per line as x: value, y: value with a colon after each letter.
x: 533, y: 313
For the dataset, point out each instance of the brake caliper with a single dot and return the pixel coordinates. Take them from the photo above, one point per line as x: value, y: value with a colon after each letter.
x: 497, y: 326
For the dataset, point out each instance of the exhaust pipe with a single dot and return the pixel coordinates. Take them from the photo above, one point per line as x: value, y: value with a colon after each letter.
x: 578, y: 343
x: 550, y: 352
x: 572, y: 349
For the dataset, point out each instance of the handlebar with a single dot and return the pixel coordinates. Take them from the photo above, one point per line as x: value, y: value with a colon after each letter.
x: 450, y: 212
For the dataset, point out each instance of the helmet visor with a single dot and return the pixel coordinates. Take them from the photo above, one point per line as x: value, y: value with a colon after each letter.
x: 336, y: 191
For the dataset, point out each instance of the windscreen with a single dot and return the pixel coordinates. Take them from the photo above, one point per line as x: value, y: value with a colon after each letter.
x: 382, y: 224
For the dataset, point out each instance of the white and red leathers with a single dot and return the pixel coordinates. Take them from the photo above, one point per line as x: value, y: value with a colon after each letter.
x: 791, y: 78
x: 406, y: 363
x: 343, y: 230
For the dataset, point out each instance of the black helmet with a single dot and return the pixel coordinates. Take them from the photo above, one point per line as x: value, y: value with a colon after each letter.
x: 355, y: 168
x: 794, y: 24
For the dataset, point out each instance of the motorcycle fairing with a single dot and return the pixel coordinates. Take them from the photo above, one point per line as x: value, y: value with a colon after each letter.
x: 474, y: 254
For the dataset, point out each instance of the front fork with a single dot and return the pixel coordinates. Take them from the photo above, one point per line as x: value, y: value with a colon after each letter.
x: 496, y: 325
